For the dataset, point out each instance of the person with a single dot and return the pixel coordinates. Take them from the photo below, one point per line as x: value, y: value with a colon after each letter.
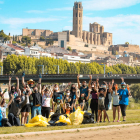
x: 115, y: 101
x: 3, y: 107
x: 58, y: 106
x: 124, y: 93
x: 76, y: 105
x: 15, y: 110
x: 107, y: 97
x: 68, y: 109
x: 84, y: 87
x: 67, y: 98
x: 94, y: 100
x: 14, y: 90
x: 82, y: 98
x: 101, y: 106
x: 31, y: 84
x: 46, y: 99
x: 73, y: 93
x: 26, y: 109
x: 37, y: 101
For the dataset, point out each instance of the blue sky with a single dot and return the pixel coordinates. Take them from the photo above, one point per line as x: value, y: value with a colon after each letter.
x: 120, y: 17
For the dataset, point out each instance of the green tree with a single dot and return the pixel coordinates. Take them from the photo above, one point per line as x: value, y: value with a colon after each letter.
x: 126, y: 42
x: 69, y: 48
x: 14, y: 42
x: 26, y: 39
x: 135, y: 91
x: 2, y: 34
x: 42, y: 38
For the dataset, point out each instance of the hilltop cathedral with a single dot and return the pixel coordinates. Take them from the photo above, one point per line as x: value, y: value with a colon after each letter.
x: 95, y: 36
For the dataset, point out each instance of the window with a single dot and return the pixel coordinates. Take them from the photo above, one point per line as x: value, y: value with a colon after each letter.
x: 96, y: 29
x: 76, y: 5
x: 76, y: 14
x: 62, y: 43
x: 92, y: 29
x: 79, y: 5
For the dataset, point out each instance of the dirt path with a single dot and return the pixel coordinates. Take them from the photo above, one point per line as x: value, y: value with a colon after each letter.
x: 122, y: 133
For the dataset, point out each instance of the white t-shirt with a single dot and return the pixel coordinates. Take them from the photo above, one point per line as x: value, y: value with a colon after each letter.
x: 3, y: 111
x: 46, y: 101
x: 115, y: 99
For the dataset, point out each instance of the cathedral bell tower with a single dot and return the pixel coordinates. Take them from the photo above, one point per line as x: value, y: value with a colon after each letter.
x: 77, y: 19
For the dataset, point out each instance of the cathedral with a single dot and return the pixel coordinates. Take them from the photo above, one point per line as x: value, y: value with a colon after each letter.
x: 95, y: 35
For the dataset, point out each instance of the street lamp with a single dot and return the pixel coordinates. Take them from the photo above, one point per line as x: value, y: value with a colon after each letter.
x: 104, y: 68
x: 57, y: 68
x: 42, y: 68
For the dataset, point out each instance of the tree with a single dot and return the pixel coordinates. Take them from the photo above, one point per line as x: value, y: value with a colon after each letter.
x: 135, y: 91
x: 14, y: 42
x: 2, y: 34
x: 42, y: 38
x: 69, y: 48
x: 49, y: 42
x: 126, y: 42
x: 26, y: 39
x: 13, y: 38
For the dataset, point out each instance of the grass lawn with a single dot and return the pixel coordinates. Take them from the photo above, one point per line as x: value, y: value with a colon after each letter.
x: 133, y: 116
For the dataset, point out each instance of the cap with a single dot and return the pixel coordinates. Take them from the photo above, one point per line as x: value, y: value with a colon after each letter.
x: 123, y: 83
x: 58, y: 98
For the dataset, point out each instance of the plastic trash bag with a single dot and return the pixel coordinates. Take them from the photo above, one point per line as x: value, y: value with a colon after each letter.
x: 76, y: 117
x: 88, y: 118
x: 63, y: 119
x: 38, y: 121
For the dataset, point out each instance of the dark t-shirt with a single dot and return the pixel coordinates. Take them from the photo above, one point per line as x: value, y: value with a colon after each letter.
x: 58, y: 94
x: 37, y: 99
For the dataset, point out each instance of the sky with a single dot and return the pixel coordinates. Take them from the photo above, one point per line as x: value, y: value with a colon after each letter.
x: 120, y: 17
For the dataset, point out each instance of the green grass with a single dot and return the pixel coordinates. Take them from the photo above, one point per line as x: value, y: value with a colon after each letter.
x: 132, y: 117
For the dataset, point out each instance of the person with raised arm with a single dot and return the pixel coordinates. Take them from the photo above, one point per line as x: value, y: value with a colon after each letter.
x: 94, y: 100
x: 101, y: 99
x: 46, y: 99
x: 116, y: 105
x: 3, y: 107
x: 84, y: 88
x: 124, y: 94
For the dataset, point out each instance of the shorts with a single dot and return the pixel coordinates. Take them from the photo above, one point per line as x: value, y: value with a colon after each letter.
x: 26, y: 108
x: 115, y: 105
x: 101, y: 107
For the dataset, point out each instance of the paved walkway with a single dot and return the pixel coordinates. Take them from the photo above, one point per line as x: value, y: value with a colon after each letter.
x: 67, y: 130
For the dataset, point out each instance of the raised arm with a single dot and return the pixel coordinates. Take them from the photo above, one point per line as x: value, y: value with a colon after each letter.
x: 9, y: 86
x: 89, y: 90
x: 17, y: 83
x: 39, y: 88
x: 76, y: 93
x: 97, y: 82
x: 39, y: 82
x: 2, y: 97
x: 23, y: 82
x: 122, y: 79
x: 105, y: 91
x: 11, y: 100
x: 89, y: 84
x: 78, y: 81
x: 67, y: 86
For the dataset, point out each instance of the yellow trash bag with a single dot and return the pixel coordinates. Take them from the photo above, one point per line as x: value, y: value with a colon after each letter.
x: 63, y: 119
x: 76, y: 117
x: 37, y: 119
x: 32, y: 124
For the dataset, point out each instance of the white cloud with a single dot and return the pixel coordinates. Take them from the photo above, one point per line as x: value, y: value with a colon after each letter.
x: 124, y: 27
x: 1, y: 2
x: 108, y: 4
x: 60, y: 9
x: 17, y: 22
x: 35, y: 11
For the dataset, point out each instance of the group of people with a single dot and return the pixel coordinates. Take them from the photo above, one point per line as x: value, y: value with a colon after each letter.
x: 44, y: 100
